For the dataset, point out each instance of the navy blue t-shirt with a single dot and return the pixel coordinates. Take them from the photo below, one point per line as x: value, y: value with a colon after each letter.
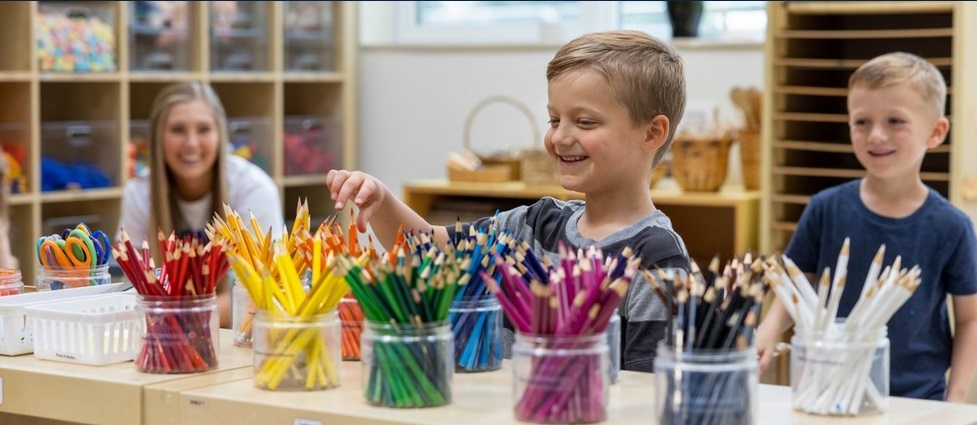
x: 937, y: 237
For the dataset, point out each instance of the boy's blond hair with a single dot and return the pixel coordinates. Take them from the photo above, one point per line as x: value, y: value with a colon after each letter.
x: 901, y: 67
x: 645, y: 74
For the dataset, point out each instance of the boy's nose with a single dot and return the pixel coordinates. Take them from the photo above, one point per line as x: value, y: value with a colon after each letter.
x: 876, y: 134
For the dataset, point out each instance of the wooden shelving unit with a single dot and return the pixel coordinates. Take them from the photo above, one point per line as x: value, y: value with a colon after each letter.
x: 812, y: 49
x: 275, y: 86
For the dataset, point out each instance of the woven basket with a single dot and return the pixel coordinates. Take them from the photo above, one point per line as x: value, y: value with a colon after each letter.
x: 750, y: 157
x: 498, y: 167
x: 699, y: 162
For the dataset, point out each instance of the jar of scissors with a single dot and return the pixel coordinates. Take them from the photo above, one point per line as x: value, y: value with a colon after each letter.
x: 77, y: 257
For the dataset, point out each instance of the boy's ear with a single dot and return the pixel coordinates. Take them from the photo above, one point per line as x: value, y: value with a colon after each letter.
x: 940, y: 130
x: 656, y: 132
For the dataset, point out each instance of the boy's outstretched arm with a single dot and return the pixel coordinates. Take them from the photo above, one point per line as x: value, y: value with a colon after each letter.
x: 964, y: 359
x: 774, y: 324
x: 378, y: 206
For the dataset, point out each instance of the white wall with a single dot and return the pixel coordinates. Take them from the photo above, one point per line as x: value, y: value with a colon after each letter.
x: 413, y: 101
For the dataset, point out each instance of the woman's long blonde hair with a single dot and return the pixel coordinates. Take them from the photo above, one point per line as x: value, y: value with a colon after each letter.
x: 168, y: 218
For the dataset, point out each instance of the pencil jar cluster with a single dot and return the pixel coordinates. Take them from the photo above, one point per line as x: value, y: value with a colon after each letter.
x: 840, y: 366
x: 296, y: 352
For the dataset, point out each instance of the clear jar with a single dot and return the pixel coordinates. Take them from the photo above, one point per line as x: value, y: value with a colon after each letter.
x: 477, y: 325
x: 11, y: 282
x: 52, y: 279
x: 613, y: 332
x: 713, y: 387
x: 296, y: 353
x: 561, y: 378
x: 838, y: 374
x: 407, y: 365
x: 181, y: 334
x: 351, y: 316
x: 242, y: 314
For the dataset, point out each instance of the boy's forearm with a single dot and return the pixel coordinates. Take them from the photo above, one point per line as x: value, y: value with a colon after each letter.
x: 964, y: 360
x: 776, y: 320
x: 392, y: 213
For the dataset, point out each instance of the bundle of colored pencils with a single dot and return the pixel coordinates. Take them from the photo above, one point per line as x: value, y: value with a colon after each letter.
x: 476, y: 318
x: 707, y: 375
x: 351, y: 318
x: 407, y: 343
x: 836, y: 356
x: 180, y: 301
x: 568, y: 302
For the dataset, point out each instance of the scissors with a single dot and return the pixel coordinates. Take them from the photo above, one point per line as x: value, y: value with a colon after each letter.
x: 73, y: 249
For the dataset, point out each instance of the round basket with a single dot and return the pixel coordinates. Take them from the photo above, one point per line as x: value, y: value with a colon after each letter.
x: 699, y: 161
x: 498, y: 167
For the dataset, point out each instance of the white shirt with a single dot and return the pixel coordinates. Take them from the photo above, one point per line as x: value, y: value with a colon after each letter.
x: 249, y: 189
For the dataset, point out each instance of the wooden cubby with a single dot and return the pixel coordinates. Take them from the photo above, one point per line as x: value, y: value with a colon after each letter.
x: 812, y: 49
x: 115, y: 105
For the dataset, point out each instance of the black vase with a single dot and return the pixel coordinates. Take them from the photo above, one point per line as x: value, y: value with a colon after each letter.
x: 684, y: 17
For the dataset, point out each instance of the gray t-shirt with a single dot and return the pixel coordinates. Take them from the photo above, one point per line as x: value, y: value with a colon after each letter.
x: 643, y: 315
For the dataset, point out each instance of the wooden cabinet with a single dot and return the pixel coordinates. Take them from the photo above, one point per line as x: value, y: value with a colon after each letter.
x: 812, y: 49
x: 285, y: 71
x: 724, y: 222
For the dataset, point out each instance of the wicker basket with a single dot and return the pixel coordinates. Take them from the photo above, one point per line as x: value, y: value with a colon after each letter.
x: 699, y: 161
x: 500, y: 167
x: 659, y: 172
x: 750, y: 157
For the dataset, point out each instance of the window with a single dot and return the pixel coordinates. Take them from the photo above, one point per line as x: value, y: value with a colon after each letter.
x: 531, y: 22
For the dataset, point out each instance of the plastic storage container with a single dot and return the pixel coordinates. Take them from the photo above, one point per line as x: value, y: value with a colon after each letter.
x: 76, y: 38
x: 137, y: 153
x: 832, y: 375
x: 310, y: 44
x: 312, y: 144
x: 296, y: 353
x: 16, y: 143
x: 159, y: 35
x: 56, y: 279
x: 251, y: 138
x: 16, y: 332
x: 425, y: 353
x: 79, y: 155
x: 238, y: 36
x: 96, y: 330
x: 351, y: 316
x: 181, y: 334
x: 705, y: 388
x: 477, y: 325
x: 561, y: 379
x: 11, y: 282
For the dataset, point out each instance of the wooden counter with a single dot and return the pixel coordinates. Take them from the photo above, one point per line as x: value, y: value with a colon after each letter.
x: 486, y: 398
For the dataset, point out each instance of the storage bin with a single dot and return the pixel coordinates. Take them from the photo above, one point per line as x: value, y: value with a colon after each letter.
x: 159, y: 35
x: 181, y: 334
x: 76, y: 38
x: 393, y: 351
x: 137, y: 153
x: 56, y: 279
x: 79, y: 154
x: 477, y: 326
x: 309, y: 40
x: 312, y: 144
x: 562, y: 379
x: 17, y: 333
x: 251, y: 139
x: 96, y: 330
x: 238, y: 36
x: 296, y: 353
x: 705, y: 387
x: 833, y: 374
x: 16, y: 146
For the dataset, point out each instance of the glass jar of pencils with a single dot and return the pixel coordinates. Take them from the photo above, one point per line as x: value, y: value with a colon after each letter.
x: 705, y: 386
x: 294, y: 352
x: 407, y: 365
x: 561, y: 379
x: 477, y: 324
x: 11, y: 282
x: 242, y: 313
x: 613, y: 332
x: 181, y: 333
x: 54, y: 278
x: 351, y: 316
x: 840, y: 373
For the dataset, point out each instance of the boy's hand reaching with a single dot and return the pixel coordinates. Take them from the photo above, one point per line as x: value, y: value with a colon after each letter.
x: 766, y: 346
x: 366, y: 191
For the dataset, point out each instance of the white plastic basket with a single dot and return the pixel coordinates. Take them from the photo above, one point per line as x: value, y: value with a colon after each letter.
x: 96, y: 330
x: 16, y: 334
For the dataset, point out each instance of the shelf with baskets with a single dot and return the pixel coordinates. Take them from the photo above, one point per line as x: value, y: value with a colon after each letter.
x: 285, y: 72
x: 812, y: 49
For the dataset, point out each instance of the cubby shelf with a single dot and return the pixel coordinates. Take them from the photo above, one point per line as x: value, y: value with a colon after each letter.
x: 94, y: 115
